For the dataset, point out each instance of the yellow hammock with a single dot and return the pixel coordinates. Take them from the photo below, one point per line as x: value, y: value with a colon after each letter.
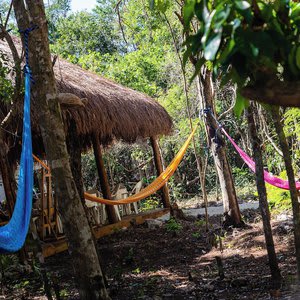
x: 158, y: 183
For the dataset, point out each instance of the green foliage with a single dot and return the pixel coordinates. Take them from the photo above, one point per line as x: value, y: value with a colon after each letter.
x: 149, y: 203
x: 64, y: 293
x: 173, y: 226
x: 278, y: 199
x: 254, y: 42
x: 21, y: 284
x: 196, y: 235
x: 56, y: 10
x: 89, y: 170
x: 6, y: 87
x: 142, y: 56
x: 160, y: 5
x: 7, y: 263
x: 136, y: 271
x: 81, y: 34
x: 200, y: 223
x: 292, y: 131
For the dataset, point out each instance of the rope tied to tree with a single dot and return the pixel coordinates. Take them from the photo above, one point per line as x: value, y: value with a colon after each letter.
x: 26, y: 32
x: 216, y: 138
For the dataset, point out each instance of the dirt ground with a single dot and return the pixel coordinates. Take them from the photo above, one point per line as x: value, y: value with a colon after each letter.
x: 175, y: 261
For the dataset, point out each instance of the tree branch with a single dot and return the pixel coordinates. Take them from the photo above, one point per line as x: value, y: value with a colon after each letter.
x: 18, y: 77
x: 275, y: 92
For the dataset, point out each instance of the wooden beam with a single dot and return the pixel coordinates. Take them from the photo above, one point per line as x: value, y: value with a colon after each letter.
x: 111, y: 213
x: 159, y: 169
x: 53, y: 248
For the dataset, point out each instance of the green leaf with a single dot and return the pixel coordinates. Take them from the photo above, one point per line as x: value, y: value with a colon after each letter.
x: 207, y: 27
x: 186, y: 56
x: 212, y: 45
x: 298, y: 57
x: 151, y: 4
x: 160, y: 5
x: 295, y: 11
x: 265, y: 10
x: 221, y: 15
x: 242, y: 5
x: 188, y: 12
x: 227, y: 51
x: 292, y: 61
x: 198, y: 66
x: 240, y: 104
x: 205, y: 12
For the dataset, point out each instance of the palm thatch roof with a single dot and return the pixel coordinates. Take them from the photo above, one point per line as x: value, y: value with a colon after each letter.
x: 112, y: 111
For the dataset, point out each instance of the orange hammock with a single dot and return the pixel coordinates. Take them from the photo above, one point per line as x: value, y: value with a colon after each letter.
x: 158, y: 183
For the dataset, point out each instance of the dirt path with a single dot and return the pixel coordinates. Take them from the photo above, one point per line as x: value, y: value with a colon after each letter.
x: 177, y: 261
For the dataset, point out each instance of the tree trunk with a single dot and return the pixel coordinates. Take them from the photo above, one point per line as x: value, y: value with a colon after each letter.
x: 291, y: 177
x: 111, y: 213
x: 8, y: 178
x: 232, y: 215
x: 159, y: 169
x: 201, y: 169
x: 89, y: 276
x: 263, y: 202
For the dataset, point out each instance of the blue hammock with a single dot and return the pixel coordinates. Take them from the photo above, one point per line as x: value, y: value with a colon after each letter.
x: 13, y: 235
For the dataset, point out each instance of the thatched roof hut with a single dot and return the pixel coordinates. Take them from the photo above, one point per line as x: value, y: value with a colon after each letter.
x: 112, y: 111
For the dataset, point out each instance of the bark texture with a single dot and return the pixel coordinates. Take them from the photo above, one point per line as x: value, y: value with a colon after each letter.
x: 8, y: 178
x: 263, y: 202
x: 104, y: 184
x: 291, y: 177
x: 159, y: 170
x: 274, y: 92
x: 88, y: 272
x: 232, y: 215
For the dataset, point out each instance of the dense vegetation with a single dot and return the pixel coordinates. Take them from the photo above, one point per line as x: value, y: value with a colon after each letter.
x: 162, y: 48
x: 142, y: 48
x: 139, y: 47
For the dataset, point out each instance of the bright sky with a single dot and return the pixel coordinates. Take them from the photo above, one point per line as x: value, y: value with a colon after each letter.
x: 78, y: 5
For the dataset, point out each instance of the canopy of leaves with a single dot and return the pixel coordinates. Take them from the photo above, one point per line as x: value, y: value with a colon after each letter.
x: 251, y: 41
x: 6, y: 87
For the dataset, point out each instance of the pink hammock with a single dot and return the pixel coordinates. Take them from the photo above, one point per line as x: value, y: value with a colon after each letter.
x: 278, y: 182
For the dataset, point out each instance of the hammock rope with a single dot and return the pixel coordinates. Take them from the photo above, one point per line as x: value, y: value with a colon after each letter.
x: 268, y: 177
x: 13, y: 234
x: 153, y: 187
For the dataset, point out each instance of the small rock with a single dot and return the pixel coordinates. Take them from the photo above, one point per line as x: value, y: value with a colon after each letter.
x: 153, y: 224
x: 283, y: 217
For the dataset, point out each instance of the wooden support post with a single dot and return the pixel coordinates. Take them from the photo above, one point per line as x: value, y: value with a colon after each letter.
x: 159, y: 169
x: 111, y: 213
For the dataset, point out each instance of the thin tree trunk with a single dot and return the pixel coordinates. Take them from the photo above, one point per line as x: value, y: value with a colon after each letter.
x: 263, y: 202
x: 8, y: 178
x: 200, y: 168
x: 291, y: 177
x: 86, y: 264
x: 159, y: 169
x: 232, y: 215
x: 103, y: 179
